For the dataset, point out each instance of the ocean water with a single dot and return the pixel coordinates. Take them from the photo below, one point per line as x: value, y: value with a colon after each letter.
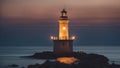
x: 11, y: 55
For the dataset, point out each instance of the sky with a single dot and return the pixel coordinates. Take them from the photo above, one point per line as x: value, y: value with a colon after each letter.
x: 31, y: 22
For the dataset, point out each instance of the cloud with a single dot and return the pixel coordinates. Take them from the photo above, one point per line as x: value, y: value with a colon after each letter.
x: 49, y: 9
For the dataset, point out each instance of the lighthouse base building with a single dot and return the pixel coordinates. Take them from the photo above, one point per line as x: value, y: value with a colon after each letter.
x: 63, y: 46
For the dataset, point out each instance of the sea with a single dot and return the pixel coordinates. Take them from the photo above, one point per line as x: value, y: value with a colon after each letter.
x: 12, y: 54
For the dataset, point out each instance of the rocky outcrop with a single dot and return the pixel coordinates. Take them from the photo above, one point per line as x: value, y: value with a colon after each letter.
x: 79, y: 64
x: 84, y: 60
x: 79, y: 55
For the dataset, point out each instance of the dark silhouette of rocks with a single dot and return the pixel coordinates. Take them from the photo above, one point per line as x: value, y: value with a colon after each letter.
x: 84, y: 61
x: 79, y: 55
x: 50, y: 55
x: 78, y: 64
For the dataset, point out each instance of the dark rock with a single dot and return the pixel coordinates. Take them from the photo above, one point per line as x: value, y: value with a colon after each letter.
x: 84, y: 61
x: 79, y: 55
x: 89, y: 64
x: 52, y: 55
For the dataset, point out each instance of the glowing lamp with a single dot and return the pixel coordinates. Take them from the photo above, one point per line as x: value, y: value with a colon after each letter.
x: 73, y: 37
x: 51, y: 37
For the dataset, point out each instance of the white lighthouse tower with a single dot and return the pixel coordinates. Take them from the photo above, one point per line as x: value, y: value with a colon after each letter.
x: 63, y: 44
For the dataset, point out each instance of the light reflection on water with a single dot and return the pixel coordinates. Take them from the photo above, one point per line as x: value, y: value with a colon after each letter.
x: 11, y: 55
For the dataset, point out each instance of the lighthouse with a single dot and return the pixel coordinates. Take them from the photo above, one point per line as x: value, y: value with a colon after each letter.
x: 63, y: 26
x: 63, y: 44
